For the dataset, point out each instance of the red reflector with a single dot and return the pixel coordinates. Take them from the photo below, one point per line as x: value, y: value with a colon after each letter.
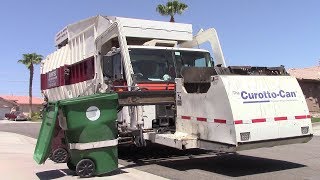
x: 301, y: 117
x: 308, y: 116
x: 186, y: 117
x: 280, y: 118
x: 222, y: 121
x: 238, y: 122
x: 258, y: 120
x: 201, y: 119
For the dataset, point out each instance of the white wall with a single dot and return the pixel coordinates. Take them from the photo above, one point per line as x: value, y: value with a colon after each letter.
x: 25, y: 108
x: 3, y: 111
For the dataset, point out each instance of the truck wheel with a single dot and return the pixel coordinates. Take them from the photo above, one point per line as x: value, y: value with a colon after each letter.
x: 85, y: 168
x: 71, y: 166
x: 60, y: 155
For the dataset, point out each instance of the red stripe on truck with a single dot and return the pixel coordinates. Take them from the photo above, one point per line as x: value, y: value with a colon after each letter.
x: 69, y: 74
x: 280, y: 118
x: 301, y: 117
x: 186, y: 117
x: 156, y: 86
x: 238, y: 122
x: 222, y: 121
x: 201, y: 119
x: 259, y: 120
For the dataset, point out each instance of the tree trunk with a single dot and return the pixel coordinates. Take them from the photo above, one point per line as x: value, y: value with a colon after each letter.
x: 172, y: 19
x: 30, y: 90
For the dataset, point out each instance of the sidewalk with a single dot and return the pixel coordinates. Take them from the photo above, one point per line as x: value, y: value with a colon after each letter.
x: 316, y: 128
x: 5, y: 121
x: 16, y: 157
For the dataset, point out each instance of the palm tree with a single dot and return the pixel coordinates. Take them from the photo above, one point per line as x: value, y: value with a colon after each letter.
x: 171, y: 8
x: 29, y: 60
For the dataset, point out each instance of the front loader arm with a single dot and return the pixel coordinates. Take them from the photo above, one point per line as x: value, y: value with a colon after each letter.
x: 211, y: 36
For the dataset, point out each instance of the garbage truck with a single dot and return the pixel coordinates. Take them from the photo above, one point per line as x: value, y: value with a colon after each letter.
x: 169, y: 90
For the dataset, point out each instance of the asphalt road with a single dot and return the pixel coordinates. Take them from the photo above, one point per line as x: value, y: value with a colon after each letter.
x: 21, y: 127
x: 298, y: 161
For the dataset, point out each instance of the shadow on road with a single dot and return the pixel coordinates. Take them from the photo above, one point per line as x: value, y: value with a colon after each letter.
x: 232, y: 165
x: 59, y: 173
x: 113, y: 173
x: 26, y: 129
x: 54, y: 174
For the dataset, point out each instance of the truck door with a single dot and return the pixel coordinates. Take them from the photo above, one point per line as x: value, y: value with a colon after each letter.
x: 113, y: 71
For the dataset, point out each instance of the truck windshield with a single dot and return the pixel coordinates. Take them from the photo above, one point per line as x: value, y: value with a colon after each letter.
x: 165, y: 65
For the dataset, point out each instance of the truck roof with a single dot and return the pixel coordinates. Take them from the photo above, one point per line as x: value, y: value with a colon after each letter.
x: 130, y: 27
x: 168, y: 48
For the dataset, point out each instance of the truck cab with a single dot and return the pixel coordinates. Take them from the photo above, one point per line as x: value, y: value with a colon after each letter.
x: 154, y: 68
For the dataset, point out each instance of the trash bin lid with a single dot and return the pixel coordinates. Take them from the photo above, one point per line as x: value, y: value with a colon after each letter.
x: 78, y: 100
x: 43, y: 146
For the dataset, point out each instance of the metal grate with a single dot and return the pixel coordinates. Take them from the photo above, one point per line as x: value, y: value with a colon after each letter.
x: 245, y: 136
x: 305, y: 130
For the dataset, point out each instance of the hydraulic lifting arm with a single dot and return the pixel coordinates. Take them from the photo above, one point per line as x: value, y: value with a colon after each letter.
x: 211, y: 36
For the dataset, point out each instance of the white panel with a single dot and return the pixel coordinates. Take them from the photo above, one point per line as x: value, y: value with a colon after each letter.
x: 149, y: 114
x: 256, y: 97
x: 55, y: 62
x: 51, y: 62
x: 239, y: 88
x: 81, y: 52
x: 155, y: 29
x: 69, y: 61
x: 89, y: 43
x: 229, y: 98
x: 211, y: 105
x: 56, y: 59
x: 156, y: 34
x: 76, y: 51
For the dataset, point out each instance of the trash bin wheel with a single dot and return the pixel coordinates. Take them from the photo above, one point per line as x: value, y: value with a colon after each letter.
x: 60, y: 155
x: 85, y: 168
x: 50, y: 156
x: 71, y: 166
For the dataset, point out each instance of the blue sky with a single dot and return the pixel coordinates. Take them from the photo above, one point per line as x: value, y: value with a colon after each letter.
x: 252, y: 32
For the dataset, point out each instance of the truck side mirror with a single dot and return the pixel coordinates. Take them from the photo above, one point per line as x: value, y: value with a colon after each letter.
x: 212, y: 62
x: 107, y: 66
x: 112, y: 66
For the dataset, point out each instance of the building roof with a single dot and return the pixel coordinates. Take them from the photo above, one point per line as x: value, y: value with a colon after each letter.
x: 22, y: 99
x: 310, y: 73
x: 8, y: 101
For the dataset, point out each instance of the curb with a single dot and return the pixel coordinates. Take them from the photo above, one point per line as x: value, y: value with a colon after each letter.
x: 5, y: 121
x: 316, y: 124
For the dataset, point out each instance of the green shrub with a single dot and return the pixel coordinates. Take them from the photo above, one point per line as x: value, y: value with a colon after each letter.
x: 313, y: 119
x: 36, y: 116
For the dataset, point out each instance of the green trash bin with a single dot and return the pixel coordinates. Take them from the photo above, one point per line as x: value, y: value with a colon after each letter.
x: 91, y: 133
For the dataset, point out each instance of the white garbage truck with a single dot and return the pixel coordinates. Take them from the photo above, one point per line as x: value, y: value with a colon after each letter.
x: 170, y: 91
